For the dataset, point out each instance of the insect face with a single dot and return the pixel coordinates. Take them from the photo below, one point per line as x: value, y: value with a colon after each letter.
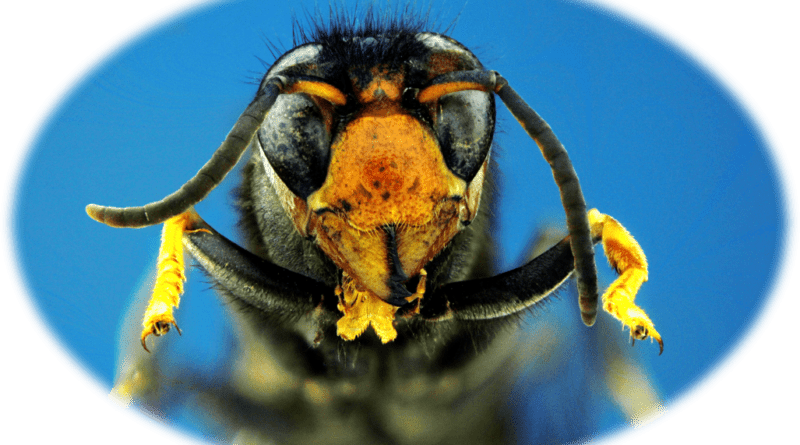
x: 368, y: 238
x: 381, y: 172
x: 381, y: 180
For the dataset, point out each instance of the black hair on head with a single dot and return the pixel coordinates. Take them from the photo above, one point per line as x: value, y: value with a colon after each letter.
x: 365, y: 36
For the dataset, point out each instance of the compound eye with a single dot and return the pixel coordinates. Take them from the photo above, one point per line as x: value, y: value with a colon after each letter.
x: 464, y: 125
x: 296, y: 142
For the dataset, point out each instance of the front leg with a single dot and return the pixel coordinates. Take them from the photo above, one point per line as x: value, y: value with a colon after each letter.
x: 627, y: 258
x: 243, y: 276
x: 512, y: 293
x: 169, y: 281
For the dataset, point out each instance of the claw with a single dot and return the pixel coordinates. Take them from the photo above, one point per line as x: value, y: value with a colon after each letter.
x: 158, y: 329
x: 641, y: 332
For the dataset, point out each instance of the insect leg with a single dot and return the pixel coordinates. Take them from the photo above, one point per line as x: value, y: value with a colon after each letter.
x: 627, y: 258
x: 255, y: 281
x: 511, y: 293
x: 504, y: 295
x: 169, y: 281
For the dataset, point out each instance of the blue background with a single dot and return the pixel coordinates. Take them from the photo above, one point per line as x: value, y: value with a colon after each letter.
x: 657, y: 144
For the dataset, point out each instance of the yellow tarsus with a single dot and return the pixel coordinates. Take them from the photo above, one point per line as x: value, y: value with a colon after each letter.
x: 627, y: 258
x: 169, y: 280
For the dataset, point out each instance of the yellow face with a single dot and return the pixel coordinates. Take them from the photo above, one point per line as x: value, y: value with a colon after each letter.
x: 388, y: 204
x: 386, y: 169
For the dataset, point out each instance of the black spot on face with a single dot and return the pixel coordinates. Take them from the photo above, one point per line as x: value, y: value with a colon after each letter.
x: 364, y: 191
x: 414, y: 185
x: 386, y: 196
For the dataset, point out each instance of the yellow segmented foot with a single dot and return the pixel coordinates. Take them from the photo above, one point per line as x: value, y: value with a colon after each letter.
x: 627, y: 258
x: 168, y: 288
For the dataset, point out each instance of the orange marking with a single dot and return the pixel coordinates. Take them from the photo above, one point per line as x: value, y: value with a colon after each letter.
x: 319, y: 89
x: 434, y: 92
x: 385, y: 86
x: 442, y: 63
x: 386, y: 168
